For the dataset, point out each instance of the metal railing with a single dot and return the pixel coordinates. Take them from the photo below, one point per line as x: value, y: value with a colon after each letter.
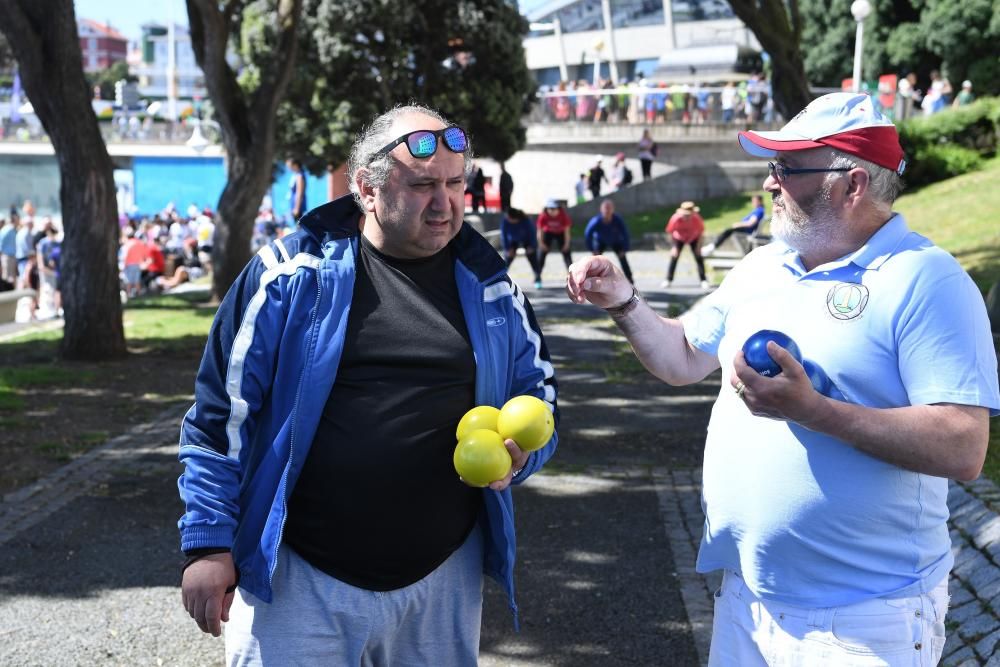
x: 654, y: 105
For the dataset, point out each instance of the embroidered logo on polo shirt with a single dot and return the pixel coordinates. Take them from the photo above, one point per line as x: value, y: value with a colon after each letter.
x: 847, y: 300
x: 496, y: 321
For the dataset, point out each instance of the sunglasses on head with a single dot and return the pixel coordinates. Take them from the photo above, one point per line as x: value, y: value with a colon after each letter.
x: 424, y: 143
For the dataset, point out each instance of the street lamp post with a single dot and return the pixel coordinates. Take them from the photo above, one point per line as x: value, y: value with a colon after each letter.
x: 860, y: 9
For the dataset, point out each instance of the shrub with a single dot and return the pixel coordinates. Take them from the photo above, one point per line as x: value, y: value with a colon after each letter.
x: 951, y: 142
x: 934, y: 163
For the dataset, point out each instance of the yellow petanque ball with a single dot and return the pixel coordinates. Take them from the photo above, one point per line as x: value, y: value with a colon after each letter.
x: 481, y: 458
x: 527, y: 421
x: 482, y: 416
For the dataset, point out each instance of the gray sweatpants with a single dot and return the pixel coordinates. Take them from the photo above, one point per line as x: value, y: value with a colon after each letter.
x: 315, y: 619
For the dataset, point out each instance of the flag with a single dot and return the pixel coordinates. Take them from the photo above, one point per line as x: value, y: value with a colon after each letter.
x: 15, y: 99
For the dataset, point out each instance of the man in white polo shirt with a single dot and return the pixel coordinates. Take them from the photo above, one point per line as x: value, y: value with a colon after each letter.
x: 828, y: 517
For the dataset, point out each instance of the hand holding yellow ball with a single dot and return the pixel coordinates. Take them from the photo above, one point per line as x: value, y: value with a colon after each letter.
x: 481, y: 458
x: 527, y: 421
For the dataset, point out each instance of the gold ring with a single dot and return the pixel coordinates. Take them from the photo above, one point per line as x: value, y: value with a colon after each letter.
x: 740, y: 389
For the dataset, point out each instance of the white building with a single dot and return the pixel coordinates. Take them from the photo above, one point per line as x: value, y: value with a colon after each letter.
x: 153, y: 67
x: 633, y: 37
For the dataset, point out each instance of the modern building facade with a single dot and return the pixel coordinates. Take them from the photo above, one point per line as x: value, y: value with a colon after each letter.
x: 629, y: 38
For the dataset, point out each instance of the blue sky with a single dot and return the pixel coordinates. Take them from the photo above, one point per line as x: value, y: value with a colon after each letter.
x: 127, y: 16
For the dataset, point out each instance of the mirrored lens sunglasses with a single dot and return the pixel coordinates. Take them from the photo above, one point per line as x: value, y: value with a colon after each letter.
x: 424, y: 143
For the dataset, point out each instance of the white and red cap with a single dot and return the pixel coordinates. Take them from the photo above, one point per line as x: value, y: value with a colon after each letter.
x: 848, y: 122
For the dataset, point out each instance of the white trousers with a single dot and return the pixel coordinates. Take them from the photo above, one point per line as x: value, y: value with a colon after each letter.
x: 748, y: 631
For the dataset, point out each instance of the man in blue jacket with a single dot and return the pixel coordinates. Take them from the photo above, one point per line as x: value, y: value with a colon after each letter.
x: 608, y: 230
x: 516, y: 231
x: 318, y: 454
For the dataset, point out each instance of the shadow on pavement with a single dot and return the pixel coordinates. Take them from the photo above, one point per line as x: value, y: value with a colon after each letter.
x: 596, y: 580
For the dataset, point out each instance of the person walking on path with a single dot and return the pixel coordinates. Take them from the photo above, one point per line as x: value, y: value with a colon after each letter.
x: 553, y: 229
x: 685, y: 227
x: 647, y: 154
x: 516, y: 231
x: 608, y: 230
x: 323, y: 516
x: 580, y: 188
x: 620, y: 174
x: 595, y: 177
x: 506, y: 187
x: 477, y: 187
x: 748, y: 225
x: 829, y: 516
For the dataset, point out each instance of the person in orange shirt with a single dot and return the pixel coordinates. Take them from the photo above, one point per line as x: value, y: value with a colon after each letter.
x: 685, y: 228
x: 134, y: 255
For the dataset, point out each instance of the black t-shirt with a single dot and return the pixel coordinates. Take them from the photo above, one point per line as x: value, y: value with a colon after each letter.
x: 379, y: 504
x: 595, y: 176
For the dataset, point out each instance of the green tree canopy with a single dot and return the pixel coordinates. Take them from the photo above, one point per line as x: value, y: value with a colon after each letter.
x: 463, y: 58
x: 958, y: 37
x: 777, y: 25
x: 107, y: 78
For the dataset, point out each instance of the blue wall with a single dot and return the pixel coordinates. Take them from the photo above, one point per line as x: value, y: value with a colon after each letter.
x: 157, y: 182
x: 200, y: 181
x: 316, y: 189
x: 184, y: 181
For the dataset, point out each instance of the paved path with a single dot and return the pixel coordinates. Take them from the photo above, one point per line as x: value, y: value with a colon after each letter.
x: 607, y: 535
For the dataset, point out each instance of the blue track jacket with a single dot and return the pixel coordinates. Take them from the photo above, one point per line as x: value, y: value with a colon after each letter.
x: 271, y: 360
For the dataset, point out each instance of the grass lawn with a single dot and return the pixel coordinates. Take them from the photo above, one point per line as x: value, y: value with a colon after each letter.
x: 53, y: 410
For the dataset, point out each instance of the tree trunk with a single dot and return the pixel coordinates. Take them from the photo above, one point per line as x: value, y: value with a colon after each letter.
x: 779, y: 31
x: 789, y: 84
x: 247, y: 120
x: 43, y: 37
x: 248, y: 180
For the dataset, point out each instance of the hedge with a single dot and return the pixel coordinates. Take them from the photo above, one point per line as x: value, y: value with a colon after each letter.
x: 951, y: 142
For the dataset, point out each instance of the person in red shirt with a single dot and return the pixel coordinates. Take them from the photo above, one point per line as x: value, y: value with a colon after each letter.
x: 155, y: 264
x: 553, y: 229
x: 685, y: 228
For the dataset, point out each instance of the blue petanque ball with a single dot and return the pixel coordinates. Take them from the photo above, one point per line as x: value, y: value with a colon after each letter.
x: 820, y: 380
x: 755, y: 351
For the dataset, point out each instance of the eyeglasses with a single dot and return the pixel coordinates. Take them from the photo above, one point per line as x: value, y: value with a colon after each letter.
x: 424, y: 143
x: 780, y: 172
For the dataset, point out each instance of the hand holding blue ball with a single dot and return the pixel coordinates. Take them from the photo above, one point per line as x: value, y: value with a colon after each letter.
x: 820, y: 380
x: 757, y: 357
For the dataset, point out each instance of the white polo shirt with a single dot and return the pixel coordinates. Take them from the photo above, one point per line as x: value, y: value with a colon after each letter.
x: 808, y: 519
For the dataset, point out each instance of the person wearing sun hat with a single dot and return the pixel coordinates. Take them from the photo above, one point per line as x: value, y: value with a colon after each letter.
x: 827, y: 512
x: 685, y: 227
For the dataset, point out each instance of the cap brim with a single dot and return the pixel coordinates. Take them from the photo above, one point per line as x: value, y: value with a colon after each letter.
x: 769, y: 144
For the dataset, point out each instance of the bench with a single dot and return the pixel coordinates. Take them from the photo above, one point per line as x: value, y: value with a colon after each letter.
x: 744, y: 243
x: 8, y: 303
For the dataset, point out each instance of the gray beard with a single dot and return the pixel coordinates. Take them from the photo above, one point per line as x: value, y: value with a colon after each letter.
x: 811, y: 229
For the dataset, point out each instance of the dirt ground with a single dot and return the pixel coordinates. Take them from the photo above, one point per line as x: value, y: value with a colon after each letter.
x: 76, y: 406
